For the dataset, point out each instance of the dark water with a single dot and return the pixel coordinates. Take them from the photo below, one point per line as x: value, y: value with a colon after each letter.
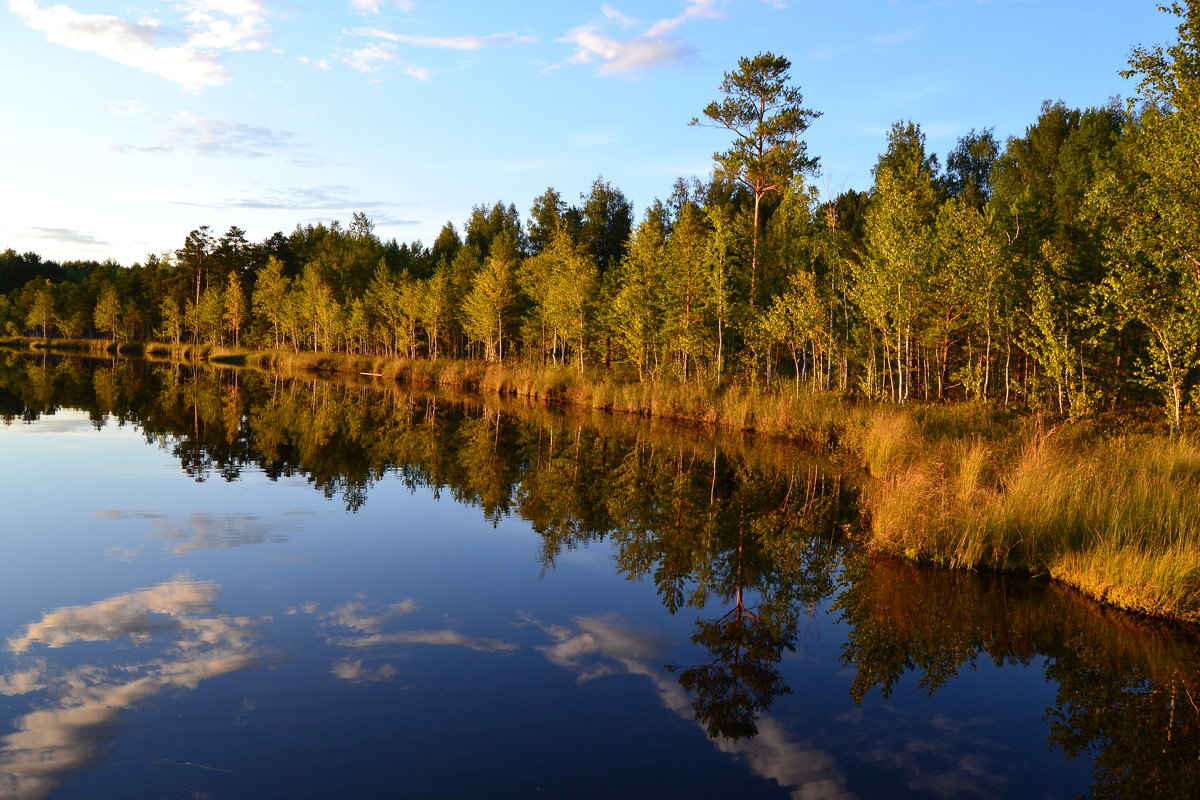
x: 217, y: 584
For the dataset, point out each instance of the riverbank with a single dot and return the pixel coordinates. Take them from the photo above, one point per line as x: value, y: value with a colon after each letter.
x: 1109, y: 505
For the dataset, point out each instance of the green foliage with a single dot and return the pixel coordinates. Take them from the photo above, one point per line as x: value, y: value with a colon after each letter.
x: 765, y: 116
x: 107, y: 315
x: 1058, y: 271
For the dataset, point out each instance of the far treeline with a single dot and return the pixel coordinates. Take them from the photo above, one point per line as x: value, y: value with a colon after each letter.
x: 1058, y: 270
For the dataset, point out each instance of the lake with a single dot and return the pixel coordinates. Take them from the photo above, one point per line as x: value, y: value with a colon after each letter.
x: 219, y: 583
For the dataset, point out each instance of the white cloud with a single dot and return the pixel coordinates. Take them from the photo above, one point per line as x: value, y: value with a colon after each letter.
x: 448, y: 42
x: 127, y: 43
x: 627, y: 56
x: 375, y: 6
x: 623, y: 57
x: 210, y: 31
x: 615, y: 15
x: 369, y: 58
x: 695, y: 9
x: 209, y: 28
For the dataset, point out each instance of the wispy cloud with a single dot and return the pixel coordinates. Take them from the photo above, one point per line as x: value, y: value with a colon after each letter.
x: 205, y: 28
x: 375, y: 6
x: 382, y: 49
x: 447, y: 42
x: 320, y: 198
x: 897, y: 37
x: 627, y: 56
x: 370, y: 58
x: 615, y: 15
x: 217, y: 138
x: 694, y: 9
x: 319, y: 63
x: 64, y: 235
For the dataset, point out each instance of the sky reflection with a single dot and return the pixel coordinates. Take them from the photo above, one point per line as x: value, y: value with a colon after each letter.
x: 81, y: 705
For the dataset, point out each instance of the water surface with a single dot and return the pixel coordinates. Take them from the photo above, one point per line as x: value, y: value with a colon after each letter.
x: 215, y: 583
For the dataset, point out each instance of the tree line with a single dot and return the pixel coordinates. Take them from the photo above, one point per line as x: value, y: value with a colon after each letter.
x: 1059, y: 269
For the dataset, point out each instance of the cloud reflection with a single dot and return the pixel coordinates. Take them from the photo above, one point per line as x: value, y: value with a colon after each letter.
x: 354, y: 671
x: 204, y: 531
x: 71, y: 731
x: 592, y: 647
x: 367, y: 627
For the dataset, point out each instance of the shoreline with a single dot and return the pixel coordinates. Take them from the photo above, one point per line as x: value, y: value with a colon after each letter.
x: 963, y: 486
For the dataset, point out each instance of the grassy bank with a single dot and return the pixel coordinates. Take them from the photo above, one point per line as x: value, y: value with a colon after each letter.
x: 817, y: 418
x: 1100, y: 505
x: 1108, y: 505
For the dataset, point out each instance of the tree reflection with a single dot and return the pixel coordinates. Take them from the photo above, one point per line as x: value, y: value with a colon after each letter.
x: 1128, y: 689
x: 781, y: 546
x: 746, y: 537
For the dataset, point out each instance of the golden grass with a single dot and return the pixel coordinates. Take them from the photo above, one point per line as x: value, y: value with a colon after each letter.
x: 1117, y: 517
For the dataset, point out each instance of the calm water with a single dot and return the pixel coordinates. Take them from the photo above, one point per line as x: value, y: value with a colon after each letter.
x: 223, y: 585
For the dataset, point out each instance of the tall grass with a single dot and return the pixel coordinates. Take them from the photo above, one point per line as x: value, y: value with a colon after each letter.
x: 1115, y: 516
x: 815, y: 417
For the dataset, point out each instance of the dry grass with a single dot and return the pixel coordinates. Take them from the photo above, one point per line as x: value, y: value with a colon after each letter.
x: 1117, y: 517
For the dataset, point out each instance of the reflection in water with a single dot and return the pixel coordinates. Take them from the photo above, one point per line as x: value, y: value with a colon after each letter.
x: 599, y: 646
x: 204, y: 530
x: 85, y: 701
x: 368, y: 627
x: 1128, y: 688
x: 747, y: 538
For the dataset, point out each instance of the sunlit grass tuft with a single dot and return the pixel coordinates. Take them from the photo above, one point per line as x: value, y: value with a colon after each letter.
x: 1119, y: 517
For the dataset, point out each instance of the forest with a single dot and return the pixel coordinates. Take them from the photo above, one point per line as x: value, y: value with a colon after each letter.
x: 1056, y: 270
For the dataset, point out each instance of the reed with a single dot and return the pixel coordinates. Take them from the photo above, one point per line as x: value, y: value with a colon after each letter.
x: 1115, y: 516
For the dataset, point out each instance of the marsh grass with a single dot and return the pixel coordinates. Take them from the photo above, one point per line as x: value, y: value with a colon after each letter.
x: 818, y: 418
x: 1115, y: 516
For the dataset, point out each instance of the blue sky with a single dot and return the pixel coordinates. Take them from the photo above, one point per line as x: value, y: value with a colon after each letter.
x: 126, y: 125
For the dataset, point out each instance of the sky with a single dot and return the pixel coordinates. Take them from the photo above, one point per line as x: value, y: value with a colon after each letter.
x: 125, y: 125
